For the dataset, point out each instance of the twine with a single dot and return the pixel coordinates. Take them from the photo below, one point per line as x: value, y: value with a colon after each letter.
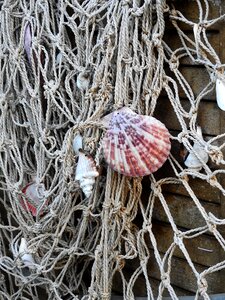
x: 79, y: 243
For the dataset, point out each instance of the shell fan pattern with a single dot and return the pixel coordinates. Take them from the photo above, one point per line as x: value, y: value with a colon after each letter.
x: 135, y: 145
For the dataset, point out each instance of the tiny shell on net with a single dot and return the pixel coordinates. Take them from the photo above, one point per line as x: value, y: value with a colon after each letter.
x: 192, y: 161
x: 26, y: 256
x: 83, y: 80
x: 86, y: 172
x: 34, y: 197
x: 20, y: 249
x: 77, y: 143
x: 135, y: 145
x: 220, y: 93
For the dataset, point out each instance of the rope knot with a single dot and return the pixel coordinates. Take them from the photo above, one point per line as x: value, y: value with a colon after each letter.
x: 147, y: 226
x: 36, y: 228
x: 53, y: 286
x: 118, y: 209
x: 106, y: 205
x: 51, y: 86
x: 182, y: 136
x: 165, y: 82
x: 173, y: 12
x: 56, y: 39
x: 202, y: 286
x: 2, y: 278
x: 165, y: 278
x: 155, y: 93
x: 44, y: 136
x: 166, y: 8
x: 211, y: 225
x: 127, y: 60
x: 178, y: 238
x: 174, y: 64
x: 216, y: 155
x: 156, y: 39
x: 16, y: 53
x: 212, y: 180
x: 105, y: 295
x: 93, y: 293
x: 120, y: 262
x: 126, y: 2
x: 137, y: 12
x: 156, y: 187
x: 213, y: 77
x: 86, y: 212
x: 36, y: 42
x: 53, y: 213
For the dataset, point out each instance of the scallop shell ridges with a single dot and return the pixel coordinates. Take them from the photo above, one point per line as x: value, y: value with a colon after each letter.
x: 135, y: 145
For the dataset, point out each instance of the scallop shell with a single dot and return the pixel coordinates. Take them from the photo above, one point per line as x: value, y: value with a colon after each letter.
x: 86, y: 172
x: 220, y: 93
x: 192, y: 161
x: 35, y: 196
x: 135, y: 145
x: 23, y: 253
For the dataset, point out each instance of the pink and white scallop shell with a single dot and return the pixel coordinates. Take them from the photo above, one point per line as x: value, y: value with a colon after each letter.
x: 135, y: 145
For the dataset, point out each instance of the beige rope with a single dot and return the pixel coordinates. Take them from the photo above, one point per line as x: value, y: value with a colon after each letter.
x: 80, y: 244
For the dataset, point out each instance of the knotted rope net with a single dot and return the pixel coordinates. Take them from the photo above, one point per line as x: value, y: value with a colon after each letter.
x: 79, y: 244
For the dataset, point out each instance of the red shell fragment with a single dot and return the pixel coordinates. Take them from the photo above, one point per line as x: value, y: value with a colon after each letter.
x: 34, y: 197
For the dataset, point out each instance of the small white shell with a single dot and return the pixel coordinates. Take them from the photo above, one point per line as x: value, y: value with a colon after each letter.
x: 26, y: 257
x: 23, y: 253
x: 86, y: 172
x: 220, y: 93
x: 77, y: 143
x: 192, y: 161
x: 59, y: 58
x: 83, y: 80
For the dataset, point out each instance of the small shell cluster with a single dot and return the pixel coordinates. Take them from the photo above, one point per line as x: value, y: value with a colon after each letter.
x: 135, y: 145
x: 86, y: 170
x: 34, y: 197
x: 192, y: 161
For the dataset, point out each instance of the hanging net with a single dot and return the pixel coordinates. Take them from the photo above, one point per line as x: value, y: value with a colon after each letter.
x: 64, y: 65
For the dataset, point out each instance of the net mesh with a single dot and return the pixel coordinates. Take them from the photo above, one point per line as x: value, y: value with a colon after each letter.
x: 118, y: 49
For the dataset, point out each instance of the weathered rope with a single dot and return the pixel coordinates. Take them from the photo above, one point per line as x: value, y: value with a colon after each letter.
x: 79, y: 244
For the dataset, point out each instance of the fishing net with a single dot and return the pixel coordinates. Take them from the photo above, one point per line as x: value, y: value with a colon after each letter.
x: 64, y: 65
